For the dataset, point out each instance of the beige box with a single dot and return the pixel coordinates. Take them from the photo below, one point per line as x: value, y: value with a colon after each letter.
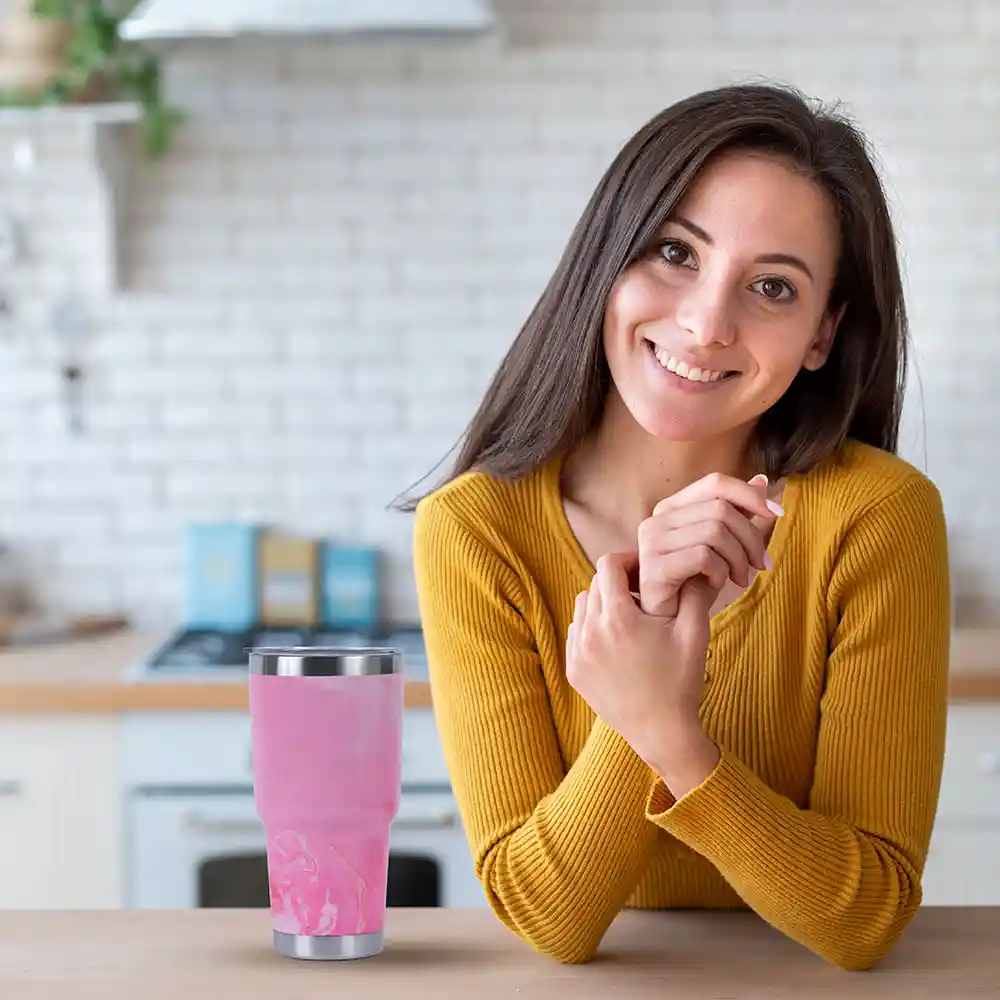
x: 289, y: 581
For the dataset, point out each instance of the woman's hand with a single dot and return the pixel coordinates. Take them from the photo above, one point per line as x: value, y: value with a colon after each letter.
x: 645, y: 675
x: 712, y: 529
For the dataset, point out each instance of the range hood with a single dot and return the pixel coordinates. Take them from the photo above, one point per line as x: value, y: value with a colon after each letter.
x: 155, y: 20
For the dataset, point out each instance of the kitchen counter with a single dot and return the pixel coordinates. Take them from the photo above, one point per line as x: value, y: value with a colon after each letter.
x: 155, y: 954
x: 88, y: 675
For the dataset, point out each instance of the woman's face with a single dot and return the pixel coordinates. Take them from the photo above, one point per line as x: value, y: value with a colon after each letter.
x: 706, y: 332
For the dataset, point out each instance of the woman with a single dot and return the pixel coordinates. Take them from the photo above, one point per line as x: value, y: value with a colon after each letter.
x: 686, y: 612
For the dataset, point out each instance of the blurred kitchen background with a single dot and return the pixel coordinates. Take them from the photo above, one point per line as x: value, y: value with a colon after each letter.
x: 220, y: 364
x: 319, y: 276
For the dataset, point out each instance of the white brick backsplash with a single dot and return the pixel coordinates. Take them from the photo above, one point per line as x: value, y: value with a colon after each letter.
x: 275, y: 384
x: 344, y: 239
x: 183, y: 382
x: 155, y: 449
x: 66, y: 523
x: 215, y: 415
x: 349, y: 413
x: 218, y: 488
x: 24, y: 384
x: 94, y: 484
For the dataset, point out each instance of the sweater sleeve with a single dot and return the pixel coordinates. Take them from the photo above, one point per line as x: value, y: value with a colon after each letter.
x: 558, y: 851
x: 843, y: 876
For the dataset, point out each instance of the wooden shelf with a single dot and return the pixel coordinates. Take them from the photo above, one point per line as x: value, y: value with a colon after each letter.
x: 100, y: 113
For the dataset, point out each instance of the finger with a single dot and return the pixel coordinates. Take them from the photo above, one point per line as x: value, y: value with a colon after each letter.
x: 719, y: 538
x: 613, y: 581
x: 580, y: 607
x: 655, y: 531
x: 703, y: 560
x: 760, y: 482
x: 629, y: 562
x: 694, y: 614
x: 595, y: 605
x: 655, y: 557
x: 718, y: 486
x: 658, y: 593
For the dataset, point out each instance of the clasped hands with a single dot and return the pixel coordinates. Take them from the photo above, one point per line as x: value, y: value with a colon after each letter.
x: 640, y: 664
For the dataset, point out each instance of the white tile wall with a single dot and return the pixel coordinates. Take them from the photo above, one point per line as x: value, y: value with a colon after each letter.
x: 344, y: 239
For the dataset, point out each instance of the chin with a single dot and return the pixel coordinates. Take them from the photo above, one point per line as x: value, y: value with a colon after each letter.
x: 680, y: 427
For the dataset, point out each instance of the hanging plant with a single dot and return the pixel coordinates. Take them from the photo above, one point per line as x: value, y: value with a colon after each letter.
x: 100, y: 65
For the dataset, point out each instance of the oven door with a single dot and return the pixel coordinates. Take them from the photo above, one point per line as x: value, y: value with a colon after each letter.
x: 429, y: 855
x: 207, y: 850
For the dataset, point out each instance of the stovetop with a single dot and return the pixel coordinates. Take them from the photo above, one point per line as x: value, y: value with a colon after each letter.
x: 215, y: 654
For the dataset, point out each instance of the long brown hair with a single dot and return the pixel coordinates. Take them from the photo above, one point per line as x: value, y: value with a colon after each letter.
x: 549, y: 390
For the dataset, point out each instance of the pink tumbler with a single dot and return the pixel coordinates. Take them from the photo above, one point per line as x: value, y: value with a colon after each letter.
x: 327, y: 738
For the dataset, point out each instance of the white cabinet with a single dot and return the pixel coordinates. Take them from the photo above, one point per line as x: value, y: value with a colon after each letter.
x: 963, y: 865
x: 61, y: 822
x: 60, y: 812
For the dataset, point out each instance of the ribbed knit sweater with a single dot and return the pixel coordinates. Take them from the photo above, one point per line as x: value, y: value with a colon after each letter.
x: 826, y: 692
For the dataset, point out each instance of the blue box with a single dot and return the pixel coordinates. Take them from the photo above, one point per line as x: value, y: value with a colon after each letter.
x: 351, y: 587
x: 221, y: 576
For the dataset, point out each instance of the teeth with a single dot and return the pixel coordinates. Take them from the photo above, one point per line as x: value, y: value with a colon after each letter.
x: 682, y: 369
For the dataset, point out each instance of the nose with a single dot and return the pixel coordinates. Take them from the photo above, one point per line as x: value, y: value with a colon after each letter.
x: 706, y: 313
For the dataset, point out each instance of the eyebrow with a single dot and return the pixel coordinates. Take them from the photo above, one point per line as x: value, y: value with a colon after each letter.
x: 770, y: 258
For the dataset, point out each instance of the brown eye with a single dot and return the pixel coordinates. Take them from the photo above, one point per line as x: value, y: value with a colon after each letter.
x: 676, y: 254
x: 775, y: 289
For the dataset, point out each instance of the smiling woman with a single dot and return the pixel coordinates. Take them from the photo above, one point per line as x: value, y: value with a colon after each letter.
x: 686, y: 612
x: 720, y: 310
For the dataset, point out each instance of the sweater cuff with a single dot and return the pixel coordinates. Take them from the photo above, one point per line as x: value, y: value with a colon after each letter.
x: 698, y: 817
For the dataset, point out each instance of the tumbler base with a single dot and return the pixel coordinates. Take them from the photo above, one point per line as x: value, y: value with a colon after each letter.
x: 329, y: 949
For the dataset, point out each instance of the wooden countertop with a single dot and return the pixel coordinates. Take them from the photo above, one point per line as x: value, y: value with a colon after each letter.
x: 949, y: 954
x: 89, y: 675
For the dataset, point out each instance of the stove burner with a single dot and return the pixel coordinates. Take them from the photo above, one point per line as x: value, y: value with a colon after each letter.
x: 200, y: 651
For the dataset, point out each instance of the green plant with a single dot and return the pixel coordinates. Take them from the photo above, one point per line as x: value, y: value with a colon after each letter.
x: 97, y: 52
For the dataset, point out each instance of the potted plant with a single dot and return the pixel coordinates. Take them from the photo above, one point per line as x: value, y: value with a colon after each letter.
x: 32, y: 52
x: 96, y: 64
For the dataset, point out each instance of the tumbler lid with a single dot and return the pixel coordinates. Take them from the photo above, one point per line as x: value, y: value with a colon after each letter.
x: 325, y: 661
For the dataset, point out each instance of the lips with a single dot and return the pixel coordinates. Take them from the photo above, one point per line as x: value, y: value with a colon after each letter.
x: 681, y: 368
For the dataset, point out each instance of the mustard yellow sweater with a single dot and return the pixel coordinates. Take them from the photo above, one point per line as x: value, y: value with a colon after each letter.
x: 826, y: 692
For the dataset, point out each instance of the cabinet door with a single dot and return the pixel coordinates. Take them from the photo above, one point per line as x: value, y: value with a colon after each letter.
x: 970, y: 784
x: 963, y: 866
x: 60, y: 813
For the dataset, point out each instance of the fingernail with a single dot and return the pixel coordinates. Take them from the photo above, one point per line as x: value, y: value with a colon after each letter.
x: 767, y: 560
x: 759, y: 478
x: 775, y: 508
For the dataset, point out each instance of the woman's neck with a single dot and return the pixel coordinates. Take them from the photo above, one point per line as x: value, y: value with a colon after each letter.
x: 621, y: 471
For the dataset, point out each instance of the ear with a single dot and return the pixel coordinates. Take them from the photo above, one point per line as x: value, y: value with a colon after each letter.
x: 822, y: 343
